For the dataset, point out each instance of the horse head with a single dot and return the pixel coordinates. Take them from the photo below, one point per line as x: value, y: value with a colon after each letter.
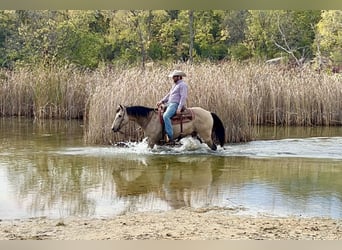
x: 120, y: 119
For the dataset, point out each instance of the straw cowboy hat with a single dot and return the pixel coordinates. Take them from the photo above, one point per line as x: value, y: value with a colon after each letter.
x: 177, y: 73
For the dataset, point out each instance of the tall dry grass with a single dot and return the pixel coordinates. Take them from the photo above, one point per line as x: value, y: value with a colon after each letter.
x: 242, y: 95
x: 43, y: 92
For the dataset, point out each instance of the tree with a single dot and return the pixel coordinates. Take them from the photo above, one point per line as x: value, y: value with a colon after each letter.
x: 260, y: 32
x: 210, y: 38
x: 86, y: 38
x: 234, y: 26
x: 81, y: 39
x: 329, y: 36
x: 271, y: 33
x: 297, y: 34
x: 174, y: 35
x: 136, y: 34
x: 191, y: 34
x: 35, y: 39
x: 7, y: 36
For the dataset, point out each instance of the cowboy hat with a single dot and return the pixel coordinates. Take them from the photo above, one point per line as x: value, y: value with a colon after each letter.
x: 177, y: 73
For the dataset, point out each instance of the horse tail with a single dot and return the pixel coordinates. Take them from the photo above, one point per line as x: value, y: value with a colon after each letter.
x: 218, y: 129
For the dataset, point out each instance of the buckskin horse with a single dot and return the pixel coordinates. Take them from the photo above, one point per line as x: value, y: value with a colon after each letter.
x: 204, y: 125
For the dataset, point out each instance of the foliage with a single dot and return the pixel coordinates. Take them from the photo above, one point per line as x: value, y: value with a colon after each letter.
x: 78, y: 46
x: 91, y: 38
x: 7, y: 28
x: 275, y: 33
x: 329, y: 37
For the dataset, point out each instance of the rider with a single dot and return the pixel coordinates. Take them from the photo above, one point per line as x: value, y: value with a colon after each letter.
x: 175, y: 101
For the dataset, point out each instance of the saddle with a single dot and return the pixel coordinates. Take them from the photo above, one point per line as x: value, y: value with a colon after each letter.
x: 186, y: 115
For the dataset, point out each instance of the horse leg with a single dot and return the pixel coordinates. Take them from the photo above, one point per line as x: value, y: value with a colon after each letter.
x: 195, y: 135
x: 153, y: 140
x: 207, y: 139
x: 150, y: 144
x: 212, y: 145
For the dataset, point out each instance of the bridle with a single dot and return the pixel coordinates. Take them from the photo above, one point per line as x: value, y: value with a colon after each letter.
x: 122, y: 119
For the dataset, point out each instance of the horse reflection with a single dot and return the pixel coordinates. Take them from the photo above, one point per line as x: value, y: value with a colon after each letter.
x: 181, y: 183
x: 182, y: 186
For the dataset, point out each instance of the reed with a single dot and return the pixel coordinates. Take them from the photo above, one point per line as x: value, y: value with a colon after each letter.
x: 43, y: 92
x: 242, y: 95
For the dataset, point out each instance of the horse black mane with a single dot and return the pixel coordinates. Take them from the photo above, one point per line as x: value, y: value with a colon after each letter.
x: 139, y: 111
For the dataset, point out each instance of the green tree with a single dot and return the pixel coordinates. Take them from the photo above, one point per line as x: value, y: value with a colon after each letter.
x: 81, y: 39
x: 35, y: 39
x: 278, y: 32
x: 135, y: 35
x: 7, y: 36
x: 210, y: 38
x: 202, y: 28
x: 259, y: 34
x: 329, y: 36
x: 234, y: 26
x: 86, y: 38
x: 297, y: 34
x: 233, y: 33
x: 174, y: 35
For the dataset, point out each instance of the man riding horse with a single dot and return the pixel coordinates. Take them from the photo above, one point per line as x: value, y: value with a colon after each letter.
x: 175, y: 102
x: 197, y: 122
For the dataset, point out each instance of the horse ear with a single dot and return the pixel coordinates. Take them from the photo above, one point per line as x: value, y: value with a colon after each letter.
x: 119, y: 108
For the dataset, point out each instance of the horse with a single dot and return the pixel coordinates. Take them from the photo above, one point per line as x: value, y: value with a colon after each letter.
x: 204, y: 125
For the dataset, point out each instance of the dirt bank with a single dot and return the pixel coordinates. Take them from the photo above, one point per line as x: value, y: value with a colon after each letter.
x: 180, y: 224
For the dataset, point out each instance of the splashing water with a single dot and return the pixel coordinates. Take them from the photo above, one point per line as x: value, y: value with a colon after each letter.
x: 315, y: 147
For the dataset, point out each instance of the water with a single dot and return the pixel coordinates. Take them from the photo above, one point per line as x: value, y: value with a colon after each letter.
x: 47, y: 170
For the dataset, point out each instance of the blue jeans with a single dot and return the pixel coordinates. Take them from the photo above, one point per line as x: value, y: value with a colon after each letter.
x: 170, y: 111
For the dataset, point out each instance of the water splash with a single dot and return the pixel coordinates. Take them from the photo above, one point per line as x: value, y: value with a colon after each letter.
x: 315, y: 147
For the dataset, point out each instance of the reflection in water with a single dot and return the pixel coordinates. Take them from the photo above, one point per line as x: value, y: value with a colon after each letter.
x: 175, y: 180
x: 45, y: 170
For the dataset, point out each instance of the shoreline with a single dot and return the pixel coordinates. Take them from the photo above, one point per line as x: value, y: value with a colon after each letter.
x: 182, y: 224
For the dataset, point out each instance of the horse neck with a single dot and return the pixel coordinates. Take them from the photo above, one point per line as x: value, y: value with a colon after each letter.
x: 142, y: 121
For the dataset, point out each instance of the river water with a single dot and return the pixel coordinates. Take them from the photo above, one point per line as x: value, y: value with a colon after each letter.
x: 47, y: 170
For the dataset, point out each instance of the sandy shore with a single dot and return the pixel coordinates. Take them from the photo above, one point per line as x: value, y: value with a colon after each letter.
x: 183, y: 224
